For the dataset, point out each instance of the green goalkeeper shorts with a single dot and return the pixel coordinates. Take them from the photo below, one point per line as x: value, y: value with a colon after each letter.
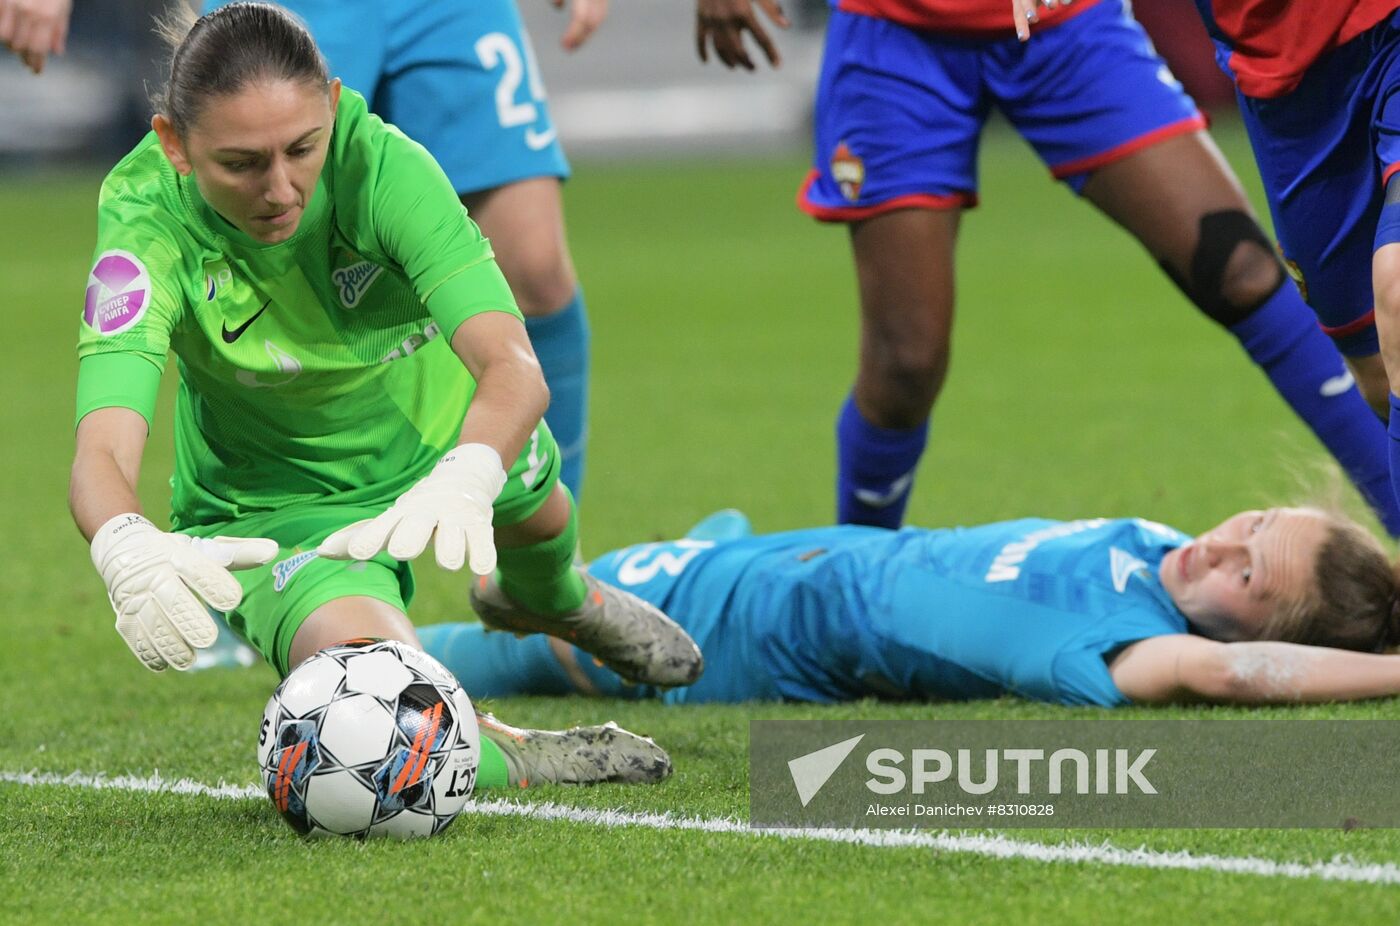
x: 278, y: 597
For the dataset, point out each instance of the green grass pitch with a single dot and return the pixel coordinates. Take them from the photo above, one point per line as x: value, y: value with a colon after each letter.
x: 725, y: 337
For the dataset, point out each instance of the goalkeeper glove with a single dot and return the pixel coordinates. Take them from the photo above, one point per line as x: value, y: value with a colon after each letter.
x: 152, y: 578
x: 452, y: 503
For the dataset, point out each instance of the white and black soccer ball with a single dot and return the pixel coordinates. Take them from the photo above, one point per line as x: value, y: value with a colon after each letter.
x: 369, y: 738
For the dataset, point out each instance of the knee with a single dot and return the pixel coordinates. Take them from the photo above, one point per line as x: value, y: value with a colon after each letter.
x: 1252, y: 275
x: 1385, y: 281
x: 899, y: 382
x: 1233, y: 268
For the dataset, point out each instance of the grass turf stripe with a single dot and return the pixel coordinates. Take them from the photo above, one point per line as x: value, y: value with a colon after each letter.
x: 994, y: 846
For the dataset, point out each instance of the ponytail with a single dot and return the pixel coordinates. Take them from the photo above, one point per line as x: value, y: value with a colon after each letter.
x: 225, y: 50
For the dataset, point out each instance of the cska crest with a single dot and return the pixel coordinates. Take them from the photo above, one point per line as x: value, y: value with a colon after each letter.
x: 848, y: 170
x: 1296, y: 273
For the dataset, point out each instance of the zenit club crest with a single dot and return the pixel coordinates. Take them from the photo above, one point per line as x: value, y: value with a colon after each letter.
x: 352, y: 282
x: 848, y: 170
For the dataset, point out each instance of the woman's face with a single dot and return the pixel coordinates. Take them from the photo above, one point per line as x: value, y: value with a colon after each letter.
x: 1230, y: 580
x: 256, y: 154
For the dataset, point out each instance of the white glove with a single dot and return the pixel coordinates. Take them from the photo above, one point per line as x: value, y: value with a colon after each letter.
x: 453, y: 502
x: 151, y: 576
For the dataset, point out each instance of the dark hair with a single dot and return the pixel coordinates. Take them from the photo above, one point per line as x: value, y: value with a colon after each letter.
x: 223, y: 51
x: 1355, y: 599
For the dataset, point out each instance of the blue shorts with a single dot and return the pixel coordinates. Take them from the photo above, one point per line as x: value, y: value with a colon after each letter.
x: 458, y: 76
x: 1325, y: 152
x: 900, y: 111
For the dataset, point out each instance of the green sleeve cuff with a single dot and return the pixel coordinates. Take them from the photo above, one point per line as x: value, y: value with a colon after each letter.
x: 123, y: 379
x: 480, y: 287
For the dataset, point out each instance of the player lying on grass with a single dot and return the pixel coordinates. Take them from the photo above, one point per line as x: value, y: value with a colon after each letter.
x: 1284, y: 605
x: 905, y: 89
x: 353, y: 372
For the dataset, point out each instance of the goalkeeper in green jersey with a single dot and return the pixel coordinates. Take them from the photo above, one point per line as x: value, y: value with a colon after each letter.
x: 356, y: 384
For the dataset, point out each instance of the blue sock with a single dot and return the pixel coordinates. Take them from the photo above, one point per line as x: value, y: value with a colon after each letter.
x: 1283, y: 338
x: 561, y: 343
x: 497, y: 665
x: 875, y: 468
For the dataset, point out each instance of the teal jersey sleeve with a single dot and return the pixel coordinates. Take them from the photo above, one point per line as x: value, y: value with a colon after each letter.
x: 407, y: 206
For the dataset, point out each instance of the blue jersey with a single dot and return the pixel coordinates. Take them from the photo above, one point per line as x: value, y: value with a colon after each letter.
x: 457, y: 76
x: 1031, y: 607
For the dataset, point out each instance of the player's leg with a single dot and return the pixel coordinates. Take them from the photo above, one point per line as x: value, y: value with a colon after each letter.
x: 1385, y: 261
x: 1132, y: 144
x: 525, y: 222
x: 539, y: 589
x: 1318, y: 149
x: 347, y: 618
x: 1179, y: 199
x: 499, y: 665
x: 898, y: 115
x: 904, y: 267
x: 1386, y: 279
x: 462, y: 80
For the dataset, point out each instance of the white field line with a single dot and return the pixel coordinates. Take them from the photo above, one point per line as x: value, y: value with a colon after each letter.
x: 1340, y: 868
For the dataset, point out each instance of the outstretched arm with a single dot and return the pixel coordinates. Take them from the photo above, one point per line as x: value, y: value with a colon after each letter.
x: 1184, y: 667
x: 106, y: 464
x: 152, y: 577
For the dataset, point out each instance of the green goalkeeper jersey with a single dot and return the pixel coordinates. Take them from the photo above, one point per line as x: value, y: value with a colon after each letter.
x: 314, y: 370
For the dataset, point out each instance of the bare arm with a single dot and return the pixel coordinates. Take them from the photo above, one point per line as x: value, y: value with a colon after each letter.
x: 1184, y: 667
x: 511, y: 395
x: 106, y: 464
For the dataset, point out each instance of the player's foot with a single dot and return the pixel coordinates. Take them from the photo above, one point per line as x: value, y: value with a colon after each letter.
x: 577, y: 756
x: 623, y: 632
x: 728, y: 524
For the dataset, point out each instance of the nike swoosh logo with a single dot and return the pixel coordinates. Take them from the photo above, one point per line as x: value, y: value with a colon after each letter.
x: 885, y: 499
x: 235, y: 334
x: 1337, y: 385
x: 537, y: 140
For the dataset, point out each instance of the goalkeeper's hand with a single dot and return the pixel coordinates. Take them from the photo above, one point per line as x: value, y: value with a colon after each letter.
x: 452, y: 504
x: 153, y: 578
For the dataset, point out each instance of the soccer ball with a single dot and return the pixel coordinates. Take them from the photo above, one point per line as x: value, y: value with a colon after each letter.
x: 369, y: 738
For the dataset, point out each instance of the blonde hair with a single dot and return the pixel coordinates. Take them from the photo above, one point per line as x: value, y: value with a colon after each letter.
x: 1354, y: 597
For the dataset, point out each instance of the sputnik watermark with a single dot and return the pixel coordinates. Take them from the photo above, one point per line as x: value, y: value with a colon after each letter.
x: 1092, y: 773
x: 1115, y: 771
